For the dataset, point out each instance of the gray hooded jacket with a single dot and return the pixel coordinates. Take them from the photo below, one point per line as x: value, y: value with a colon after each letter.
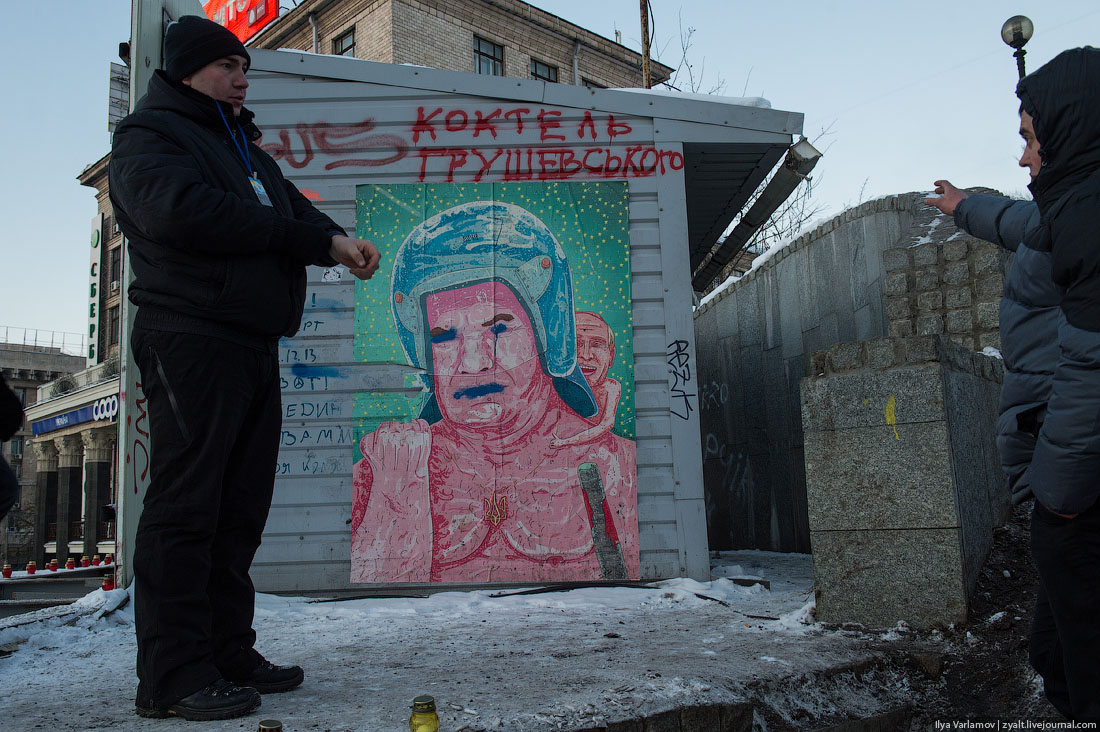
x: 1030, y: 318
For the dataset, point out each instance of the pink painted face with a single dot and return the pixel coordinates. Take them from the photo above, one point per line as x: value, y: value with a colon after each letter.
x: 595, y: 347
x: 484, y: 355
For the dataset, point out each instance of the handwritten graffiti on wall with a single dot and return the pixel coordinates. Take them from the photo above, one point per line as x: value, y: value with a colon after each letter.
x: 475, y: 144
x: 734, y: 463
x: 714, y: 395
x: 140, y: 444
x: 346, y: 144
x: 541, y: 152
x: 679, y: 365
x: 514, y: 465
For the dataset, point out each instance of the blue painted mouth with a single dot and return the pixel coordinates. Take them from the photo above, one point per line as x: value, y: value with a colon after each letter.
x: 478, y: 391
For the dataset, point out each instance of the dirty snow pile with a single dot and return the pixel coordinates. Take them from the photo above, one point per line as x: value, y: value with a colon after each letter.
x: 493, y: 659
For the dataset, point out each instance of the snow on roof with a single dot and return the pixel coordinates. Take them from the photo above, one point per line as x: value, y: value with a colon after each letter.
x: 759, y: 102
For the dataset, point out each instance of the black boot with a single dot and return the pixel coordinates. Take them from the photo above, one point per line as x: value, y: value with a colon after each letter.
x: 267, y: 678
x: 219, y: 700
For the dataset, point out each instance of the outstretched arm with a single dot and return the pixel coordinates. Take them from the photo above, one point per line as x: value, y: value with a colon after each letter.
x: 996, y: 219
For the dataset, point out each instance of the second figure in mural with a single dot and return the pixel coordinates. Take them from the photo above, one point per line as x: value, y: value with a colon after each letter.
x: 511, y: 472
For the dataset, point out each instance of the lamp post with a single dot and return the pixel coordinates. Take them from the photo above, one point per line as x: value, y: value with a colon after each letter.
x: 1016, y: 32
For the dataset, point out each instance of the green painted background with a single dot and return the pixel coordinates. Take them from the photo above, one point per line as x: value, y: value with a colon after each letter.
x: 589, y: 220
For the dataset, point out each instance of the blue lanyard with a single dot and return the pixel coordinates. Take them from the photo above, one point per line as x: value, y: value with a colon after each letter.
x: 243, y: 151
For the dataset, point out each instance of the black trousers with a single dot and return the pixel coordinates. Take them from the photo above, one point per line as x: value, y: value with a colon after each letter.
x: 214, y: 422
x: 1065, y: 632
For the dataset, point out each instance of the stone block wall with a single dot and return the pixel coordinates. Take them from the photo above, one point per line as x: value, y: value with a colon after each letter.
x: 941, y: 281
x: 903, y: 481
x: 754, y: 340
x: 889, y: 267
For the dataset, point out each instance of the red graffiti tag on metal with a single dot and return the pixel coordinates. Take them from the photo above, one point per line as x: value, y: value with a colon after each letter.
x: 339, y: 142
x: 531, y: 160
x: 453, y: 144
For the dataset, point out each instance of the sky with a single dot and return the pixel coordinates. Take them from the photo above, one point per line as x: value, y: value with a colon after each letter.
x: 897, y: 95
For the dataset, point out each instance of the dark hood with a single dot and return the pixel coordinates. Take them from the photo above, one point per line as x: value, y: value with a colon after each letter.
x: 183, y: 100
x: 1062, y: 99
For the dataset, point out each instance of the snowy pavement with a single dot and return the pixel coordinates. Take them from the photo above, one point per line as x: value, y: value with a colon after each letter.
x: 531, y: 662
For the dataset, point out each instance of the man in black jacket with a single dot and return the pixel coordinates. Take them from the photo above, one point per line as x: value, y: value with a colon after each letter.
x: 218, y: 243
x: 1060, y: 124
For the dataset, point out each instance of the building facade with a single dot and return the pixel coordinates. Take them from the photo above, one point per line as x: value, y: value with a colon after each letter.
x: 27, y: 366
x: 495, y: 37
x: 75, y: 428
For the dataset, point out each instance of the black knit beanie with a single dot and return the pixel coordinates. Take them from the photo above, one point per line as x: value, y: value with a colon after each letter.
x: 192, y: 42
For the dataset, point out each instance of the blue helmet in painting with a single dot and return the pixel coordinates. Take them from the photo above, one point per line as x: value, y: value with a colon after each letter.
x: 484, y: 241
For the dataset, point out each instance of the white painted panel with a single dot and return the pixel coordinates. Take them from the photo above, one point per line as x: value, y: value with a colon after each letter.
x: 659, y: 565
x: 658, y: 477
x: 650, y: 341
x: 291, y: 548
x: 645, y: 260
x: 322, y: 295
x: 298, y: 379
x: 649, y: 313
x: 303, y: 407
x: 655, y: 451
x: 295, y: 462
x: 326, y: 492
x: 316, y: 434
x: 650, y: 396
x: 313, y: 351
x: 683, y: 397
x: 656, y: 425
x: 306, y: 519
x: 660, y: 535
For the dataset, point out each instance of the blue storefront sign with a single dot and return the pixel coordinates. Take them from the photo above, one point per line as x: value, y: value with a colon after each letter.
x: 105, y: 409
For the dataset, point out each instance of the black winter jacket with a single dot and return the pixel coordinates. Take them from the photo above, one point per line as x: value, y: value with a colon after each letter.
x: 207, y: 256
x: 1061, y: 98
x: 1029, y: 322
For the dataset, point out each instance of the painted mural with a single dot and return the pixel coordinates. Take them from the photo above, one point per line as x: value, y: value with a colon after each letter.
x: 511, y: 457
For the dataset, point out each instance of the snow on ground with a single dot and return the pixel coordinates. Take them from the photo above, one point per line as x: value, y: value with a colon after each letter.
x: 532, y: 662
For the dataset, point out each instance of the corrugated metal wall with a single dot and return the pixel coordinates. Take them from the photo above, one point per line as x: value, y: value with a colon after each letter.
x: 331, y: 135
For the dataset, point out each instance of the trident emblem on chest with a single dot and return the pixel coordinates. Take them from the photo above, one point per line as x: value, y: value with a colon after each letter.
x: 496, y: 508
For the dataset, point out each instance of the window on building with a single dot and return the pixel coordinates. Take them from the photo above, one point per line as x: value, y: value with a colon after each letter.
x: 112, y: 329
x: 546, y: 72
x: 488, y: 57
x: 116, y: 265
x: 344, y: 44
x: 593, y: 84
x: 17, y: 447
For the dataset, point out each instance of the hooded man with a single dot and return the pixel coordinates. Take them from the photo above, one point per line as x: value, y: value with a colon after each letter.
x: 218, y: 242
x: 1060, y: 124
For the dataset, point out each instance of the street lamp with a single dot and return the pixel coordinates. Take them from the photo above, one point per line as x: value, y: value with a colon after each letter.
x: 1016, y: 32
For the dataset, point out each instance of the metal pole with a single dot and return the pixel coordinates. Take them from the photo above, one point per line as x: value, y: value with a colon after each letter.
x: 646, y: 82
